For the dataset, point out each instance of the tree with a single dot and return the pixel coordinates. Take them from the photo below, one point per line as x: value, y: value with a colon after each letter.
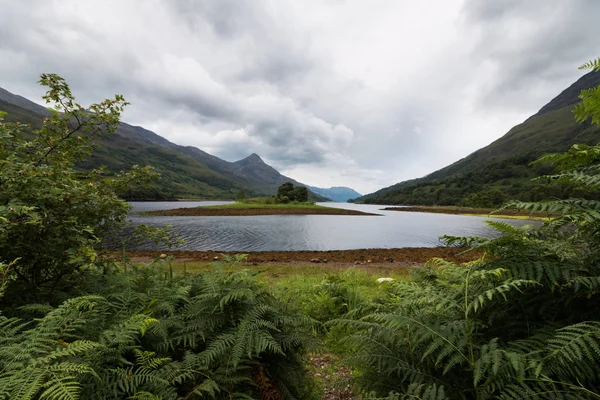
x: 53, y: 219
x: 286, y: 190
x: 240, y: 195
x: 301, y: 194
x: 291, y: 193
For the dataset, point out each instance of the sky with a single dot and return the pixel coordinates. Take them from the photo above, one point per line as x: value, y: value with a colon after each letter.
x: 352, y: 93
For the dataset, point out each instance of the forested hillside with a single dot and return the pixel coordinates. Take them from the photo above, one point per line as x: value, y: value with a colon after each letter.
x: 185, y: 171
x: 501, y: 171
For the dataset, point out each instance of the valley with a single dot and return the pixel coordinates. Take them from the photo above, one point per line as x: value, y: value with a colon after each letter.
x: 290, y: 292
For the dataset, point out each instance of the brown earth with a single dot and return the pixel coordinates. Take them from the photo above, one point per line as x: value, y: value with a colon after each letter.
x: 327, y: 370
x: 464, y: 210
x: 213, y: 212
x: 402, y: 256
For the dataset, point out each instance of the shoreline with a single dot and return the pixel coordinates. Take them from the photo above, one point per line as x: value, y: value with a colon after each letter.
x: 473, y: 212
x: 400, y: 257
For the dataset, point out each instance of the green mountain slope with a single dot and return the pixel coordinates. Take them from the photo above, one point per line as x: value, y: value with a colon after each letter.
x: 186, y: 172
x: 501, y: 170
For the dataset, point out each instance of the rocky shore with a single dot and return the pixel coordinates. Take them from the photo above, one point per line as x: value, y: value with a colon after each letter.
x: 406, y: 256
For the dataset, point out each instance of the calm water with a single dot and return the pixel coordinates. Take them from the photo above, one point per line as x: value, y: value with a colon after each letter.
x: 313, y: 232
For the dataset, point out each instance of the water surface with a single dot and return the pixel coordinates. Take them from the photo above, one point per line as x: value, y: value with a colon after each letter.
x: 392, y: 229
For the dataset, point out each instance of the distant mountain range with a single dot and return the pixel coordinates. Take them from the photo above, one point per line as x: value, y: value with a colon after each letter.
x: 336, y: 193
x: 186, y: 171
x: 501, y: 170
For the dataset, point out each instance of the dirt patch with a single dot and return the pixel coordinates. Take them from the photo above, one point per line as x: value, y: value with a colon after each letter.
x: 326, y: 369
x: 236, y: 212
x: 405, y: 256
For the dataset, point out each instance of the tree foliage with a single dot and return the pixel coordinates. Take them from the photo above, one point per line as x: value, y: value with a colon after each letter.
x: 53, y: 219
x: 288, y: 192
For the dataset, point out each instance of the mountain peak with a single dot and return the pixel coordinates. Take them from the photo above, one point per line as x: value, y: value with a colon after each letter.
x: 253, y: 158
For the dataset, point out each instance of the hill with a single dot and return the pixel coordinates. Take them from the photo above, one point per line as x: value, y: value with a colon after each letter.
x: 501, y: 170
x: 336, y: 193
x: 186, y: 171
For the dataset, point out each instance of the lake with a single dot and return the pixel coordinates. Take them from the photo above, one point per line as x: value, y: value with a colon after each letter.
x: 392, y: 229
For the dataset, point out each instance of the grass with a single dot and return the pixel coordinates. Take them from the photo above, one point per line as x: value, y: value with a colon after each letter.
x: 246, y: 205
x: 274, y: 273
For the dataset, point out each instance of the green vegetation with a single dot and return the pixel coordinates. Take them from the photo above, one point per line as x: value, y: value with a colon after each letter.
x: 257, y: 206
x: 144, y: 335
x: 287, y: 192
x: 73, y: 325
x: 250, y: 204
x: 184, y: 172
x: 520, y: 322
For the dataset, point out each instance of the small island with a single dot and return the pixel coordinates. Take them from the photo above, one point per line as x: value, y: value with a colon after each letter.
x: 289, y: 200
x: 245, y: 209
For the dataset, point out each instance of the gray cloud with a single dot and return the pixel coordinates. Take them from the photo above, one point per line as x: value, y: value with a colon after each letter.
x: 531, y: 44
x: 355, y: 93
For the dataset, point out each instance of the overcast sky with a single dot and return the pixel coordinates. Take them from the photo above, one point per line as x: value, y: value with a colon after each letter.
x: 342, y: 92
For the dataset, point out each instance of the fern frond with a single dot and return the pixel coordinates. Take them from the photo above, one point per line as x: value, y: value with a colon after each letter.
x: 593, y: 64
x: 574, y: 348
x: 65, y: 388
x: 503, y: 290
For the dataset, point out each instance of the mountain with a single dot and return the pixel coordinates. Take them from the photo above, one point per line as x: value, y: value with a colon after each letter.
x: 186, y: 171
x: 336, y: 193
x: 501, y: 170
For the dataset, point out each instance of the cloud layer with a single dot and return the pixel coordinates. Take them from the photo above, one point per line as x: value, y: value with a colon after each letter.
x: 362, y: 94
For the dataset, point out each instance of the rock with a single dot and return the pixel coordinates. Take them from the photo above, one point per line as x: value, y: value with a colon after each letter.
x: 215, y: 258
x: 389, y: 259
x: 324, y: 260
x: 369, y: 261
x: 315, y: 260
x: 381, y: 280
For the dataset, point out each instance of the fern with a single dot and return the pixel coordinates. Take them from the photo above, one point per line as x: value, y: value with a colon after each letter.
x: 593, y: 64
